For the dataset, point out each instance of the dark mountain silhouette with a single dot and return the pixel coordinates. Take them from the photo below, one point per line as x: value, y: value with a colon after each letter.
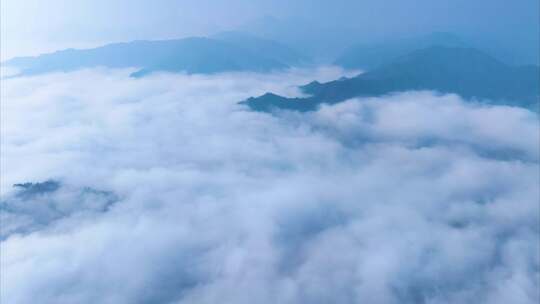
x: 190, y: 55
x: 464, y: 71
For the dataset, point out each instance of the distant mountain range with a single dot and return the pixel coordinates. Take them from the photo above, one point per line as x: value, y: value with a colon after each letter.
x: 372, y: 55
x: 231, y: 51
x: 325, y: 44
x: 439, y: 62
x: 270, y: 49
x: 464, y: 71
x: 321, y: 43
x: 369, y: 56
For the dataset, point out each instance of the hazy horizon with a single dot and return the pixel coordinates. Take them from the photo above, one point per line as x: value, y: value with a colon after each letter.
x: 34, y: 27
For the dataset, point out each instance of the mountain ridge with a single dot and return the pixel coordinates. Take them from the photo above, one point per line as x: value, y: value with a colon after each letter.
x: 369, y: 56
x: 190, y: 55
x: 467, y: 72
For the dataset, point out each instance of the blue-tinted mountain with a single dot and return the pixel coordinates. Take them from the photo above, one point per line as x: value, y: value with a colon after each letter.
x: 467, y: 72
x: 190, y: 55
x: 264, y: 47
x: 369, y: 56
x: 321, y: 43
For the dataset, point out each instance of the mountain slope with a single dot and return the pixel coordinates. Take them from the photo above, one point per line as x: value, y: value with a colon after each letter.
x: 191, y: 55
x: 464, y: 71
x: 264, y: 47
x: 369, y: 56
x: 322, y: 43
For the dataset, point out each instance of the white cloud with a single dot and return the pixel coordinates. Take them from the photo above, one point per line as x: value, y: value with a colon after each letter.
x: 411, y: 198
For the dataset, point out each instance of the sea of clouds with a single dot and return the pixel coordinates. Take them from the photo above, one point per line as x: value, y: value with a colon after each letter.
x: 165, y: 190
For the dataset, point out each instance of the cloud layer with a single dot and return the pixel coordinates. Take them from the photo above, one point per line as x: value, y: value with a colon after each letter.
x: 410, y: 198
